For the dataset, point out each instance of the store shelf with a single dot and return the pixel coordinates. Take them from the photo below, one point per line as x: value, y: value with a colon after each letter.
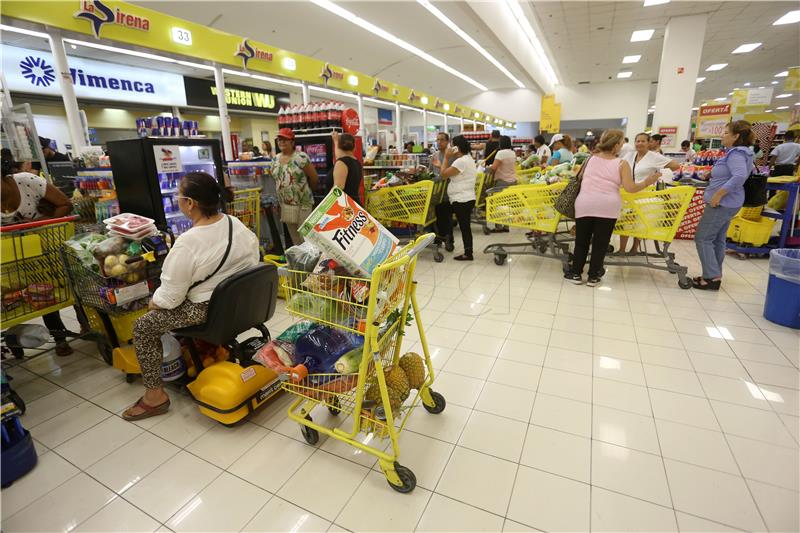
x: 170, y: 216
x: 169, y: 191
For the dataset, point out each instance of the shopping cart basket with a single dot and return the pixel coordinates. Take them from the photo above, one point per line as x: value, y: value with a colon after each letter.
x: 364, y: 396
x: 413, y: 204
x: 110, y: 307
x: 246, y: 206
x: 33, y: 278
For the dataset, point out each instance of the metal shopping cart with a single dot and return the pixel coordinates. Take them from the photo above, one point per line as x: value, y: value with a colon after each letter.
x: 110, y: 306
x: 246, y: 206
x: 413, y: 204
x: 364, y: 396
x: 32, y: 276
x: 651, y: 214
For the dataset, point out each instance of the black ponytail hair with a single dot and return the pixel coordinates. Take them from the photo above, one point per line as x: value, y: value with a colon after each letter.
x: 206, y: 191
x: 461, y: 142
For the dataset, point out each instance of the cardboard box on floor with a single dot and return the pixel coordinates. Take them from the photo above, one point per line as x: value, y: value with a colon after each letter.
x: 344, y: 230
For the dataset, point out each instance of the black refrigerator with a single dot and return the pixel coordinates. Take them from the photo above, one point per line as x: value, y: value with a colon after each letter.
x: 319, y: 148
x: 147, y: 173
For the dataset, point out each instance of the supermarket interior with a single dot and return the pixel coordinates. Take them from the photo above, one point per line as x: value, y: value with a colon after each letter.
x: 364, y: 266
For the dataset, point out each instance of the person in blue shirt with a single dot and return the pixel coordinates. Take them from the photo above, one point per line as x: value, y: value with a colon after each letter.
x: 724, y: 197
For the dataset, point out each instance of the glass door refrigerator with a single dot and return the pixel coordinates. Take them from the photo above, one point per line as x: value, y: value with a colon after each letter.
x: 320, y: 149
x: 147, y: 172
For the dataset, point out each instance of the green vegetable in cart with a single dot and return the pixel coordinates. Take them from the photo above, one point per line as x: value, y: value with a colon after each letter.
x: 349, y: 362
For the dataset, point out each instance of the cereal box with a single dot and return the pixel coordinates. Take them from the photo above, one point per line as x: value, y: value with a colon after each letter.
x: 346, y: 232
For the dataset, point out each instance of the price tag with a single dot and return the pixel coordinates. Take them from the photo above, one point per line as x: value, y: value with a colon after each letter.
x: 181, y: 36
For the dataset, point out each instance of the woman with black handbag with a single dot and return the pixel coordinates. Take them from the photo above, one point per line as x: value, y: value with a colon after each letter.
x: 597, y: 205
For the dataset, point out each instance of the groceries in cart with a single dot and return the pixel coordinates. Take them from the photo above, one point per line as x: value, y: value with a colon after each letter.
x: 403, y: 177
x: 344, y: 231
x: 130, y: 226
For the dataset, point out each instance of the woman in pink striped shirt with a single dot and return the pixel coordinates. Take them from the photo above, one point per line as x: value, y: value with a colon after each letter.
x: 598, y: 204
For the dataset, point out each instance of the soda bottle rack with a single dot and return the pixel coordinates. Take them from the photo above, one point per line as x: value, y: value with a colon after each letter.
x: 309, y: 132
x: 311, y: 116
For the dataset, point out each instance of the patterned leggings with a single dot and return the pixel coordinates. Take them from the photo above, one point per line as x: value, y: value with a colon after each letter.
x: 147, y: 334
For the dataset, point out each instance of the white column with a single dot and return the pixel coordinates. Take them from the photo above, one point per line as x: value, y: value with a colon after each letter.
x: 76, y: 130
x: 224, y: 118
x: 462, y: 124
x: 306, y: 95
x: 362, y: 128
x: 677, y: 77
x: 424, y: 128
x: 445, y: 123
x: 398, y: 132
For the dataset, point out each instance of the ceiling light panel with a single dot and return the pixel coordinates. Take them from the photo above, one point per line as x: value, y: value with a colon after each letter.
x: 650, y: 3
x: 642, y: 35
x: 623, y: 75
x: 474, y: 44
x: 746, y: 48
x: 789, y: 18
x: 701, y: 79
x: 383, y: 34
x: 716, y: 66
x: 522, y: 21
x: 631, y: 59
x: 781, y: 74
x: 784, y: 95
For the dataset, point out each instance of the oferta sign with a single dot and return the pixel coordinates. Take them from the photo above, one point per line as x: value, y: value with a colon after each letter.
x: 33, y: 71
x: 203, y: 93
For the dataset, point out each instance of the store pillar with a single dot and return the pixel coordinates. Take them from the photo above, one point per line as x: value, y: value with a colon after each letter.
x: 224, y: 118
x: 398, y: 132
x: 445, y: 122
x: 76, y: 130
x: 305, y: 94
x: 424, y: 128
x: 462, y: 124
x: 677, y: 77
x: 362, y: 129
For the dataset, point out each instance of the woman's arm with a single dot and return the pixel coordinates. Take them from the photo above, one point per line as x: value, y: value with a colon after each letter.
x: 737, y: 165
x: 63, y: 206
x: 673, y: 165
x: 176, y: 278
x: 339, y: 174
x: 311, y: 174
x: 629, y: 184
x: 495, y: 164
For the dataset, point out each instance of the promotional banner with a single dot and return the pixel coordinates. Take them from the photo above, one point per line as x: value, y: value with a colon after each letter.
x: 792, y: 82
x: 33, y: 71
x: 711, y: 120
x: 759, y: 96
x: 203, y: 93
x: 670, y: 133
x: 551, y: 114
x: 385, y: 117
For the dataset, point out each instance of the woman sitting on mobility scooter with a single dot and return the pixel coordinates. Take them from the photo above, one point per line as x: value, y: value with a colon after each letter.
x: 217, y: 247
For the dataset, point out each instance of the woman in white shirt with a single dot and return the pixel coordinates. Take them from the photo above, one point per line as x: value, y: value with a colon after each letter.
x: 542, y: 150
x: 644, y: 163
x: 459, y: 168
x: 504, y: 168
x: 217, y: 247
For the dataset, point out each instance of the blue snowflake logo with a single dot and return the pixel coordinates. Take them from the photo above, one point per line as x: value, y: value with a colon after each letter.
x: 37, y: 71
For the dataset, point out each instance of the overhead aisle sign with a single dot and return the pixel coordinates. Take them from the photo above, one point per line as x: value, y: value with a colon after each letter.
x: 139, y: 26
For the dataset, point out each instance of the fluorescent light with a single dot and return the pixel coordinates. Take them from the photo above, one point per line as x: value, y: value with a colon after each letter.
x: 376, y: 101
x: 236, y: 73
x: 276, y: 80
x: 716, y: 66
x: 522, y: 21
x: 789, y: 18
x: 782, y: 74
x: 409, y: 108
x: 352, y: 80
x: 434, y: 113
x: 784, y: 95
x: 383, y: 34
x: 747, y: 84
x: 24, y: 31
x: 289, y: 63
x: 631, y: 59
x: 730, y: 94
x: 195, y: 65
x: 642, y: 35
x: 762, y: 87
x: 701, y: 79
x: 782, y: 107
x: 477, y: 115
x: 74, y: 46
x: 626, y: 74
x: 774, y: 82
x: 695, y: 108
x: 447, y: 107
x: 464, y: 35
x: 798, y: 103
x: 768, y: 111
x: 121, y: 50
x: 746, y: 48
x: 331, y: 91
x: 720, y: 99
x: 424, y: 100
x: 649, y: 3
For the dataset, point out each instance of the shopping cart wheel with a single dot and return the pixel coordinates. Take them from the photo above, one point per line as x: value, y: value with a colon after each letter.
x: 684, y: 283
x: 130, y: 378
x: 439, y: 404
x: 310, y: 434
x: 334, y: 406
x: 438, y: 257
x: 407, y: 477
x: 105, y: 351
x: 500, y: 259
x: 486, y: 230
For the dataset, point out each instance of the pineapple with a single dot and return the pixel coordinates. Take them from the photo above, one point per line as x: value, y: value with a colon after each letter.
x: 397, y: 380
x: 414, y: 367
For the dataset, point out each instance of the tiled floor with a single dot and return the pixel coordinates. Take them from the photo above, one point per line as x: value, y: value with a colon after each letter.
x: 635, y: 406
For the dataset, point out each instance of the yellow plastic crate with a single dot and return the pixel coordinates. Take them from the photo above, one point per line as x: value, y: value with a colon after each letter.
x: 526, y: 206
x: 751, y: 232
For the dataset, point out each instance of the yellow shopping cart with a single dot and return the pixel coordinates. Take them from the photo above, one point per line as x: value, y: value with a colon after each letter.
x: 413, y: 204
x: 246, y: 207
x: 374, y: 409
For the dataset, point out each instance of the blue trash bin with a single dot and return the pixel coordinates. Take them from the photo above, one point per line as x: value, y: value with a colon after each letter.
x: 782, y: 304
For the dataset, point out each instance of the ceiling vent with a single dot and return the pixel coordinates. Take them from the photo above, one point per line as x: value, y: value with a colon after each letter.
x: 584, y: 82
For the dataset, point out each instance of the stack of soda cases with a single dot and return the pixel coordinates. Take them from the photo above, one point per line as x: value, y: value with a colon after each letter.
x: 708, y: 157
x: 166, y: 126
x: 311, y: 116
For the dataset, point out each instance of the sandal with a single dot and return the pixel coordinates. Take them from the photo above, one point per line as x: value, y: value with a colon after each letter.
x: 149, y: 410
x: 709, y: 285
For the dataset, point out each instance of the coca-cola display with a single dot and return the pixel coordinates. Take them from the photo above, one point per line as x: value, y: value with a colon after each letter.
x: 316, y: 115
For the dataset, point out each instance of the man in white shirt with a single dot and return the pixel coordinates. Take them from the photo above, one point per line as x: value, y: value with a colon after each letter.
x: 542, y: 150
x: 686, y: 147
x: 626, y: 149
x: 783, y: 157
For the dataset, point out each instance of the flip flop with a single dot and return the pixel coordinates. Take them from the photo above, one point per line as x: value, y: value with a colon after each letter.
x: 149, y: 410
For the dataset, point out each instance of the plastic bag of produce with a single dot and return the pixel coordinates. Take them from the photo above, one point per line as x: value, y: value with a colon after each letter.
x: 110, y: 246
x: 303, y: 257
x: 295, y: 331
x: 320, y: 348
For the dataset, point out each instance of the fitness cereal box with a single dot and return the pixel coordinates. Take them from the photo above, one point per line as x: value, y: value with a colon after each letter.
x: 346, y: 232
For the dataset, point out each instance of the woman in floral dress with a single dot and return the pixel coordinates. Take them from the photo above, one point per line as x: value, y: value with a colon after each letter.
x: 295, y: 179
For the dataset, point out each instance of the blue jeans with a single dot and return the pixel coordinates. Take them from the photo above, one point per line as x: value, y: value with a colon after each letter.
x: 710, y: 238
